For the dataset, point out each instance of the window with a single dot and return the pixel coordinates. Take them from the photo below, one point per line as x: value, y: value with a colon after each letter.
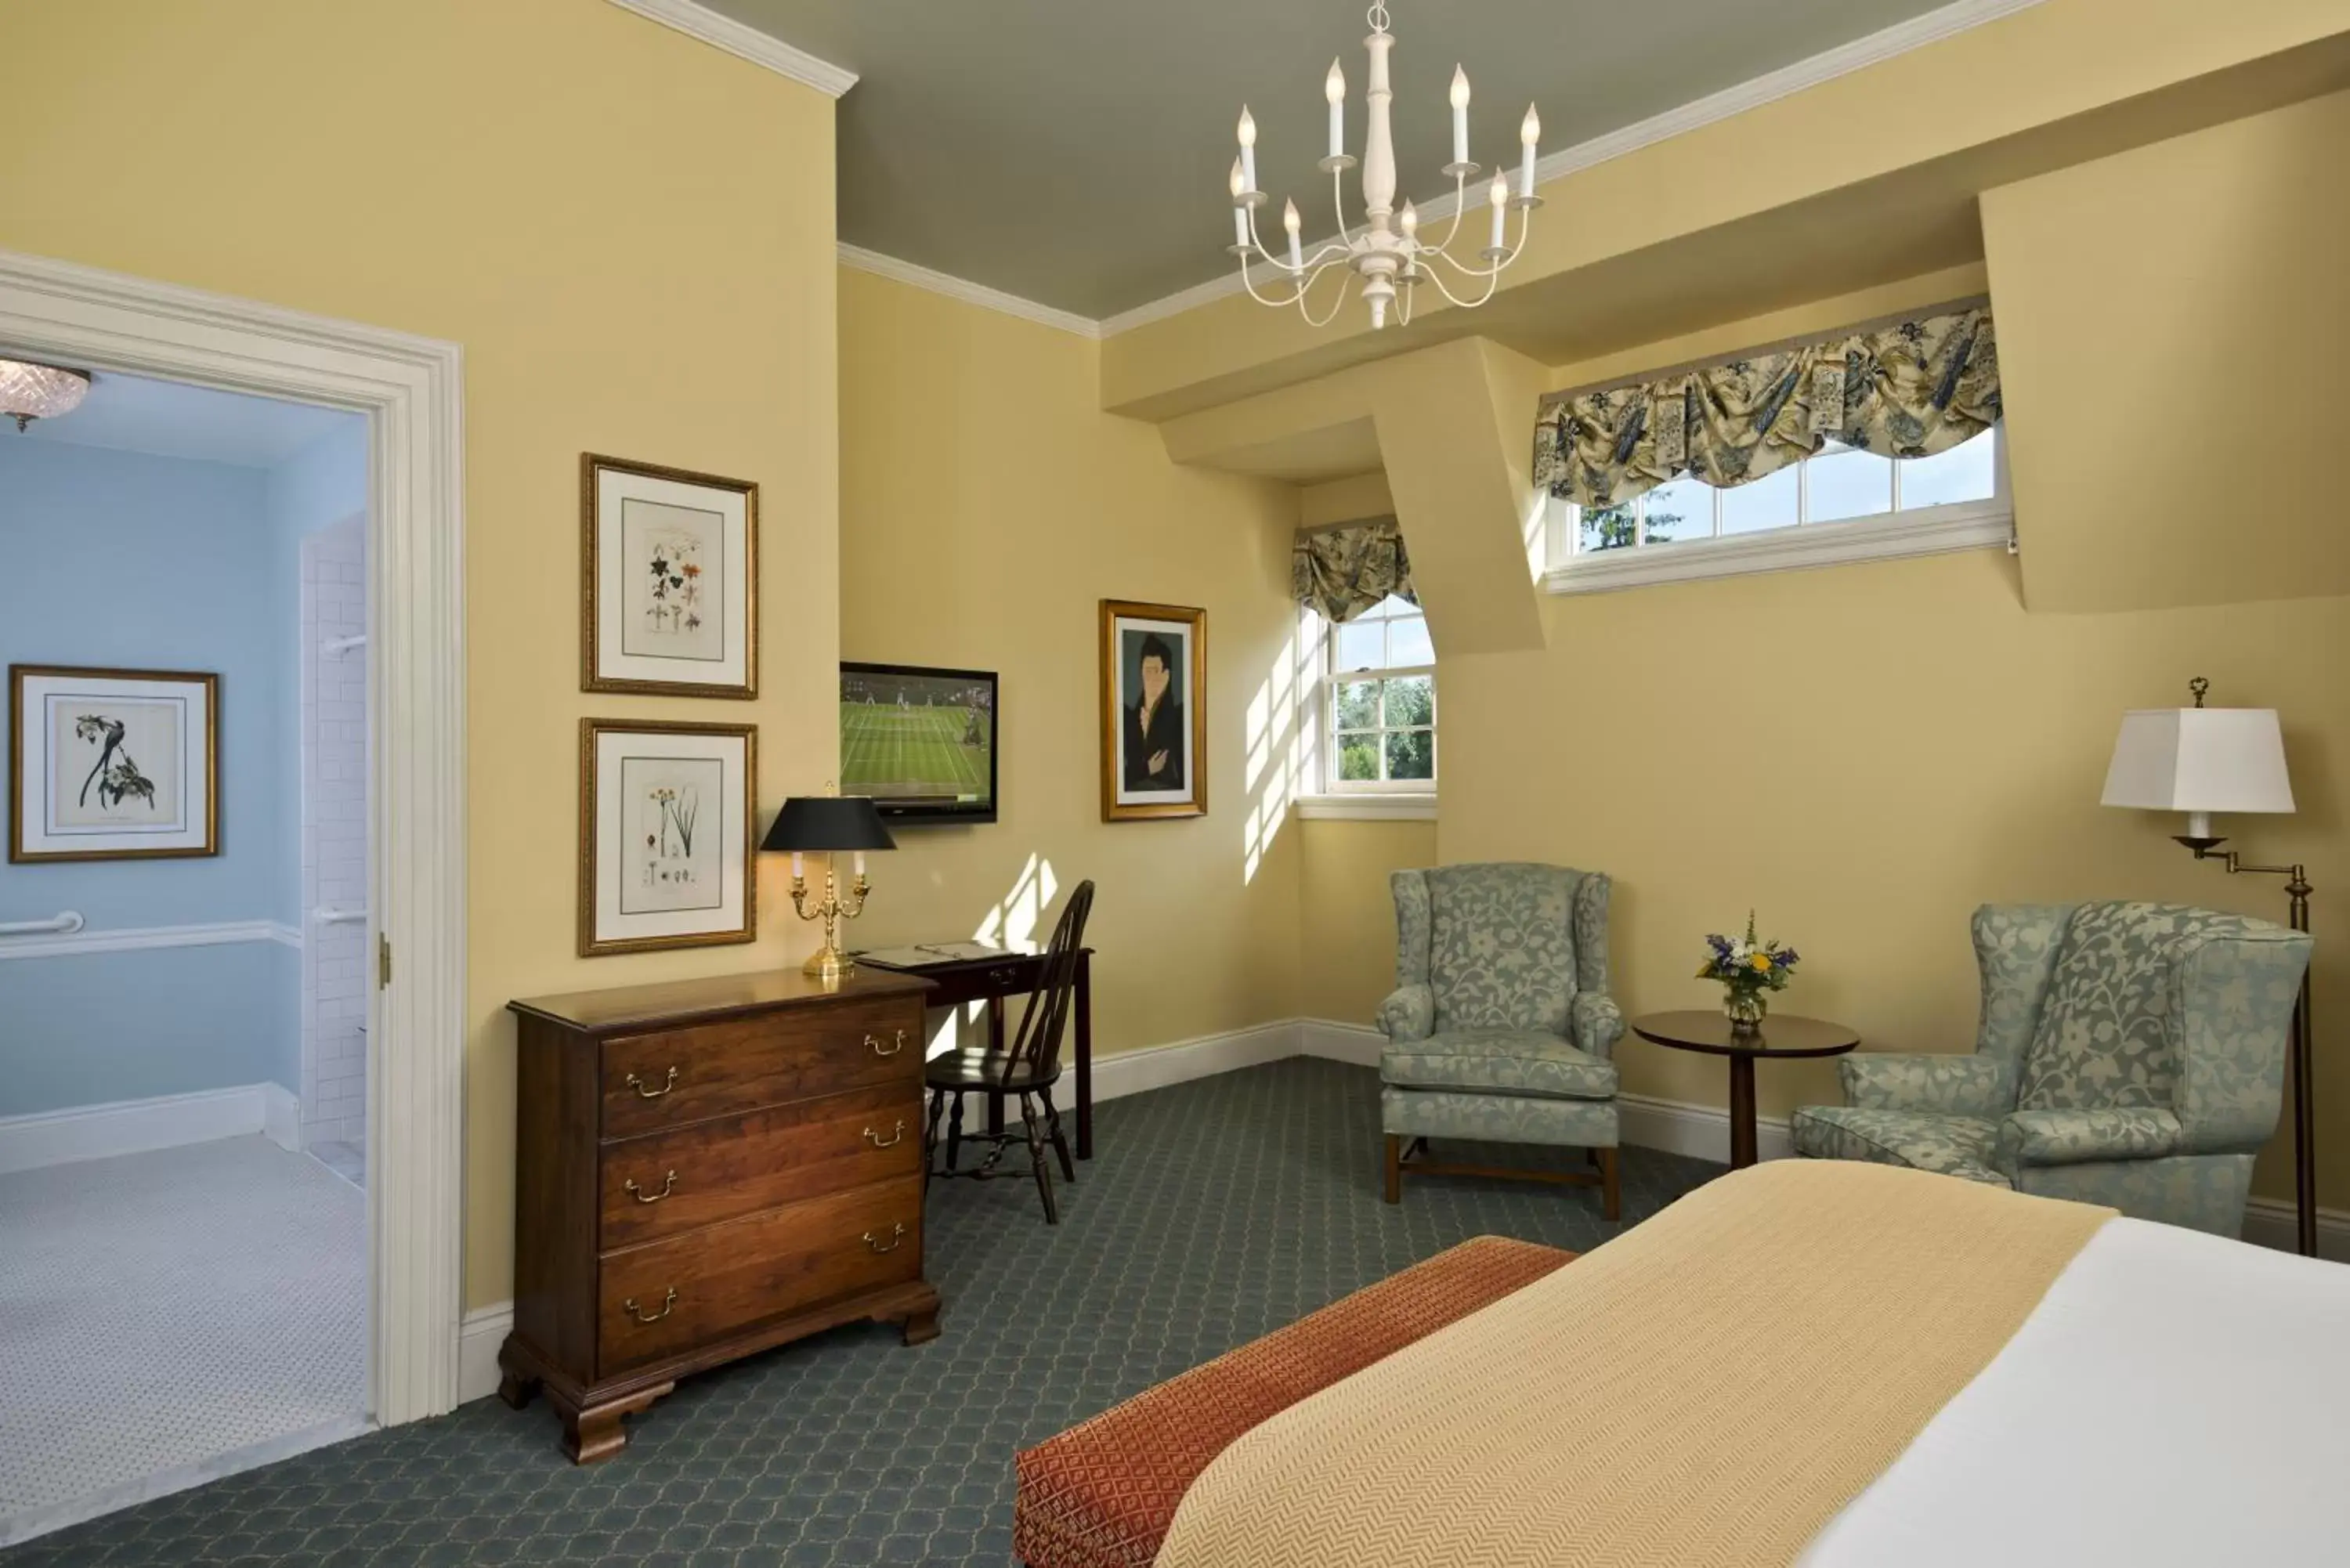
x: 1839, y: 504
x: 1382, y: 711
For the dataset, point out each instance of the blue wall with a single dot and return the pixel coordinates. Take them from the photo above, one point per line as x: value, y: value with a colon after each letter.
x: 131, y: 561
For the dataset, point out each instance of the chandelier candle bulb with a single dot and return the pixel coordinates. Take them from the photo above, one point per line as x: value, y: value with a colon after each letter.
x: 1410, y: 221
x: 1293, y: 223
x: 1459, y: 115
x: 1499, y: 196
x: 1529, y: 133
x: 1334, y: 87
x: 1248, y: 150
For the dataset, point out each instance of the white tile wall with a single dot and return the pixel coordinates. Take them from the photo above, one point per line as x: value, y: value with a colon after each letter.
x: 334, y: 837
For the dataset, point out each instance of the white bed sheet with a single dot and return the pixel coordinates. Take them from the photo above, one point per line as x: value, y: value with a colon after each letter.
x: 2176, y: 1398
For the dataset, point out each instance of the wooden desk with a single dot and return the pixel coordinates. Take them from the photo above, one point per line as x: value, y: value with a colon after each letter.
x: 954, y: 981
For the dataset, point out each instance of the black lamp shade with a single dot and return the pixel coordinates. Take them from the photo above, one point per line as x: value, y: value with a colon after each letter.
x: 824, y: 822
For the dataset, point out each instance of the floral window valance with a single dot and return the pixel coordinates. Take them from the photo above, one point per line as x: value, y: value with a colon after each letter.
x: 1344, y: 570
x: 1910, y: 389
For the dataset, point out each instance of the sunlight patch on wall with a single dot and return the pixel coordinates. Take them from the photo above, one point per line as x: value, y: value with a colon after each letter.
x: 1013, y: 922
x: 1280, y: 747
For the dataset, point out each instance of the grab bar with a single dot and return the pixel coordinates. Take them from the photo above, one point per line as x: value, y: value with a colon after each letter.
x: 335, y: 646
x: 63, y: 925
x: 338, y: 917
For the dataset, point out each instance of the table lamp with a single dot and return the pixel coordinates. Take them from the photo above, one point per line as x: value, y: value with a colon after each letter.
x: 2201, y: 761
x: 828, y: 825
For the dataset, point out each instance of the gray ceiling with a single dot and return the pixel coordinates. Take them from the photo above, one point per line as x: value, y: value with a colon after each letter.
x: 1074, y: 152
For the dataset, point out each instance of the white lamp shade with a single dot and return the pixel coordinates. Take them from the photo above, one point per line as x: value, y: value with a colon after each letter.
x: 2199, y: 760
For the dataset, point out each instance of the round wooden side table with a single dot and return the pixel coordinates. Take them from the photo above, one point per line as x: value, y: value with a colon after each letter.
x: 1708, y: 1032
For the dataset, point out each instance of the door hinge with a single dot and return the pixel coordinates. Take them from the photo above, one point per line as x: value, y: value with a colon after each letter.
x: 382, y: 961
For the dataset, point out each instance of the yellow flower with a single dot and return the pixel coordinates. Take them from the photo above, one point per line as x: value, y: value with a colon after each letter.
x: 1705, y: 972
x: 1761, y: 963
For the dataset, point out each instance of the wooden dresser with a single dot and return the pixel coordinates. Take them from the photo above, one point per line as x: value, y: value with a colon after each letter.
x: 705, y: 1169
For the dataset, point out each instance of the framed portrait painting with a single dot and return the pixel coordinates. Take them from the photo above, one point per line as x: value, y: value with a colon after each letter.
x: 665, y: 835
x: 1154, y: 695
x: 112, y: 764
x: 669, y: 564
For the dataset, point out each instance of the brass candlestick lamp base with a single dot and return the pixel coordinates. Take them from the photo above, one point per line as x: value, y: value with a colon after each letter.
x: 829, y: 964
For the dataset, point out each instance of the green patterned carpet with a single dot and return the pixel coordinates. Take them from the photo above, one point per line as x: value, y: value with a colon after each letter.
x: 1216, y: 1212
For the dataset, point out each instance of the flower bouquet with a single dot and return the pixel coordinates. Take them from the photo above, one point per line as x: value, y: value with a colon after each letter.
x: 1749, y: 970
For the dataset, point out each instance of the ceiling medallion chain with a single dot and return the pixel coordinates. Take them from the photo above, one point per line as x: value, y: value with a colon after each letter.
x: 1388, y: 255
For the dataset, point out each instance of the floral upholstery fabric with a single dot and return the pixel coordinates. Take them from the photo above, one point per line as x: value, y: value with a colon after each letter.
x: 1499, y: 1062
x: 1942, y: 1086
x: 1346, y: 570
x: 1500, y: 951
x: 1952, y: 1145
x: 1500, y: 1027
x: 1498, y: 1118
x: 2130, y: 1054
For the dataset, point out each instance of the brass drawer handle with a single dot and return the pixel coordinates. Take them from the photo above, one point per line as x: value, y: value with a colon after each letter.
x: 897, y: 1136
x: 881, y: 1049
x: 668, y: 1084
x: 669, y: 1305
x: 897, y: 1236
x: 633, y: 1191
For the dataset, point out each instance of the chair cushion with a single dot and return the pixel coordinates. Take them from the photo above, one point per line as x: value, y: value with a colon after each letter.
x: 1499, y: 1062
x: 1950, y: 1146
x: 2108, y: 1033
x: 1501, y: 946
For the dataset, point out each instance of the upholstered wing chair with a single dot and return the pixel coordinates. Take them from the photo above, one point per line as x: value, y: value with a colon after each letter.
x: 1499, y: 1029
x: 2130, y: 1054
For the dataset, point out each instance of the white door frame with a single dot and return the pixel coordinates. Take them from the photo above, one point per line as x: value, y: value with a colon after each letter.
x: 410, y: 388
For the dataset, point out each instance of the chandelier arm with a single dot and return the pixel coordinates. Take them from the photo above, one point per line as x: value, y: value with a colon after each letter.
x: 1250, y: 283
x: 1338, y: 206
x: 1459, y: 207
x: 1337, y: 302
x: 1323, y: 254
x: 1491, y: 282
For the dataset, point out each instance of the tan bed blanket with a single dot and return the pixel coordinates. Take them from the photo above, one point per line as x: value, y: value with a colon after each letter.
x: 1711, y: 1388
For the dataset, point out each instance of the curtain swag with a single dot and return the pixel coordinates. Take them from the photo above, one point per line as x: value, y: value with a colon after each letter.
x: 1344, y: 571
x: 1910, y: 389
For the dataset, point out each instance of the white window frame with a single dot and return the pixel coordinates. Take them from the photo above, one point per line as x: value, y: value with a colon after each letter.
x: 1878, y: 536
x: 1337, y: 798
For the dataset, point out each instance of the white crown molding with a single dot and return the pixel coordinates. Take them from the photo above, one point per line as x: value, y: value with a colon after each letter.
x: 745, y: 43
x: 1934, y: 531
x: 1932, y: 27
x: 138, y: 939
x: 970, y: 293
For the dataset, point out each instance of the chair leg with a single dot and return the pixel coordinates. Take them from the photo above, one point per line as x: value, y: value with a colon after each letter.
x: 1394, y: 1193
x: 954, y: 1136
x: 931, y: 1133
x: 1060, y: 1144
x: 1610, y: 1187
x: 1032, y: 1121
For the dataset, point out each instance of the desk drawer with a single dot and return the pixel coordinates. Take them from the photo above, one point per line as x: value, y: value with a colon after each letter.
x: 710, y: 1171
x: 654, y: 1082
x: 671, y: 1296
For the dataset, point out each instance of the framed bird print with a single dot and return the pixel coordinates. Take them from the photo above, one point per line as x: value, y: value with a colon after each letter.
x: 112, y: 764
x: 669, y: 568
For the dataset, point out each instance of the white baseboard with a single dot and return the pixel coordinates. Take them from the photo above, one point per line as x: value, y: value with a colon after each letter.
x: 135, y: 1127
x: 478, y: 1338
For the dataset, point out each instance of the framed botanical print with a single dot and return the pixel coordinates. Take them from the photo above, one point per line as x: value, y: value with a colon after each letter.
x: 669, y: 564
x: 665, y: 835
x: 112, y: 764
x: 1154, y: 720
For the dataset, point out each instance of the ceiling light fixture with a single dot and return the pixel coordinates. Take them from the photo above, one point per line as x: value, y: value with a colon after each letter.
x: 30, y: 392
x: 1388, y: 254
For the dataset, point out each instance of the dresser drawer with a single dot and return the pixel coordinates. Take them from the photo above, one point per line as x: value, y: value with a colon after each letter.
x: 663, y: 1183
x: 672, y: 1295
x: 654, y: 1082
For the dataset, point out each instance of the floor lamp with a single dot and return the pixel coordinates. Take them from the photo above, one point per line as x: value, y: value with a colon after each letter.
x: 2200, y: 761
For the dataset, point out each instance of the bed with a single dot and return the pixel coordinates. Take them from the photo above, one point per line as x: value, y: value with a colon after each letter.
x: 1816, y: 1363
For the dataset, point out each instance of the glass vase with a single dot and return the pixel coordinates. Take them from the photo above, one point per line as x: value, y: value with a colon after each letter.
x: 1745, y: 1009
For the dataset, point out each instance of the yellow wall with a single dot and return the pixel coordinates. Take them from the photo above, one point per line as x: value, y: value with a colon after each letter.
x: 988, y: 505
x: 630, y: 234
x: 2172, y: 323
x: 1347, y: 942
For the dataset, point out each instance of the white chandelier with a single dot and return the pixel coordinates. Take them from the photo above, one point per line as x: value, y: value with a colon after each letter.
x: 30, y: 392
x: 1388, y: 254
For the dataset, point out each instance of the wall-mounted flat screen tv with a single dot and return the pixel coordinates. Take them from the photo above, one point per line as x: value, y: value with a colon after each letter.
x: 920, y: 742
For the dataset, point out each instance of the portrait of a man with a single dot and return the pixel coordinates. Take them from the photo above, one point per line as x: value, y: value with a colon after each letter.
x: 1154, y: 665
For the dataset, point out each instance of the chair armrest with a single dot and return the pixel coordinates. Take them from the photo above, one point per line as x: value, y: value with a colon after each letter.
x: 1596, y: 1023
x: 1408, y: 1012
x: 2072, y: 1138
x: 1929, y: 1084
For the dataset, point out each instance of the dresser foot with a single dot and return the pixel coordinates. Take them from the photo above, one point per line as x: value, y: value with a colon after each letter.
x: 518, y: 1374
x: 517, y: 1390
x: 594, y: 1432
x: 922, y: 1327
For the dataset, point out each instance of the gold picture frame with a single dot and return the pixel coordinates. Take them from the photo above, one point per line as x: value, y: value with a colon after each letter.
x: 1154, y: 725
x: 166, y: 807
x: 663, y: 631
x: 655, y: 871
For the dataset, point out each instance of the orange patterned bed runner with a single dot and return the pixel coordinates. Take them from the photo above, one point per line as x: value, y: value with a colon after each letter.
x: 1102, y: 1495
